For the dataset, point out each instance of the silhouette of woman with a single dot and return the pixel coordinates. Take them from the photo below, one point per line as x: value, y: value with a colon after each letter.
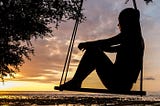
x: 129, y: 46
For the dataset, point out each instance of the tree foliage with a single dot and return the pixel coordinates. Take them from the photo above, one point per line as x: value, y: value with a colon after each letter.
x: 147, y: 1
x: 22, y: 20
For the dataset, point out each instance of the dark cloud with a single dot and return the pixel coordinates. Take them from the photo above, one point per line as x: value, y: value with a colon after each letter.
x: 149, y: 78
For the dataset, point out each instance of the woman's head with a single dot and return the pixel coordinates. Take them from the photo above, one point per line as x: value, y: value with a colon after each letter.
x: 128, y: 18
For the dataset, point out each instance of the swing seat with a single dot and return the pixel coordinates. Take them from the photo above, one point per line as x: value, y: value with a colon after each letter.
x: 93, y: 90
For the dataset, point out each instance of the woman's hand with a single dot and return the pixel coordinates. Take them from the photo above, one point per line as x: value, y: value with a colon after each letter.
x: 83, y: 46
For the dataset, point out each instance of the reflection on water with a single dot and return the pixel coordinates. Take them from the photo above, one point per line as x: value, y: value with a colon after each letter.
x: 75, y: 99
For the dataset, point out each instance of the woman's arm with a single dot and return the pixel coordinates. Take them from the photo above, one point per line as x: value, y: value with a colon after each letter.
x: 111, y: 49
x: 109, y: 45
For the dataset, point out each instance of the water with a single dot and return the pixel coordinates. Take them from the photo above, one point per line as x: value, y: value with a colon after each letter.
x: 32, y: 98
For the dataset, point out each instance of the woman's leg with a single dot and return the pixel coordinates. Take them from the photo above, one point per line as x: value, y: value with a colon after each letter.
x: 92, y: 59
x: 104, y: 68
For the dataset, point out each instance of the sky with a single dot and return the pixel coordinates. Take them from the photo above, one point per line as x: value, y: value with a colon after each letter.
x: 44, y: 70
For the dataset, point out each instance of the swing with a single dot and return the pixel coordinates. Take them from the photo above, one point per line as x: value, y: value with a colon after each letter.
x: 92, y: 90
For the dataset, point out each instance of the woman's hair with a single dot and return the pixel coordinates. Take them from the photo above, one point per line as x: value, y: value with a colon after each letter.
x: 129, y: 18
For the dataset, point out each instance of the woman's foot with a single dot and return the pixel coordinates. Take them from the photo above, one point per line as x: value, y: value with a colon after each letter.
x: 72, y: 85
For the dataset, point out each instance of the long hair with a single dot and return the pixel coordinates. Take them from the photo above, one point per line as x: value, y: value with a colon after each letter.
x: 131, y: 29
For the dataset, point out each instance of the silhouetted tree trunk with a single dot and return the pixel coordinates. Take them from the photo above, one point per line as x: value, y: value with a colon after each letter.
x: 22, y: 20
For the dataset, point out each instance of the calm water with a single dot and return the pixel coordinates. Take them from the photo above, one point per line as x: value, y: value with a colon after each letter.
x: 75, y: 99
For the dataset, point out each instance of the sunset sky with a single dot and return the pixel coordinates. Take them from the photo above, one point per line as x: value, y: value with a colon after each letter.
x: 43, y: 72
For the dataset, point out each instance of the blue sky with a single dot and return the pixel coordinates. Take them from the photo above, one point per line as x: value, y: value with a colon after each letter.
x: 45, y: 68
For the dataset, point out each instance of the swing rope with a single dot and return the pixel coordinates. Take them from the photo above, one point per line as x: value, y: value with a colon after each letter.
x: 70, y: 48
x: 134, y: 4
x: 141, y: 72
